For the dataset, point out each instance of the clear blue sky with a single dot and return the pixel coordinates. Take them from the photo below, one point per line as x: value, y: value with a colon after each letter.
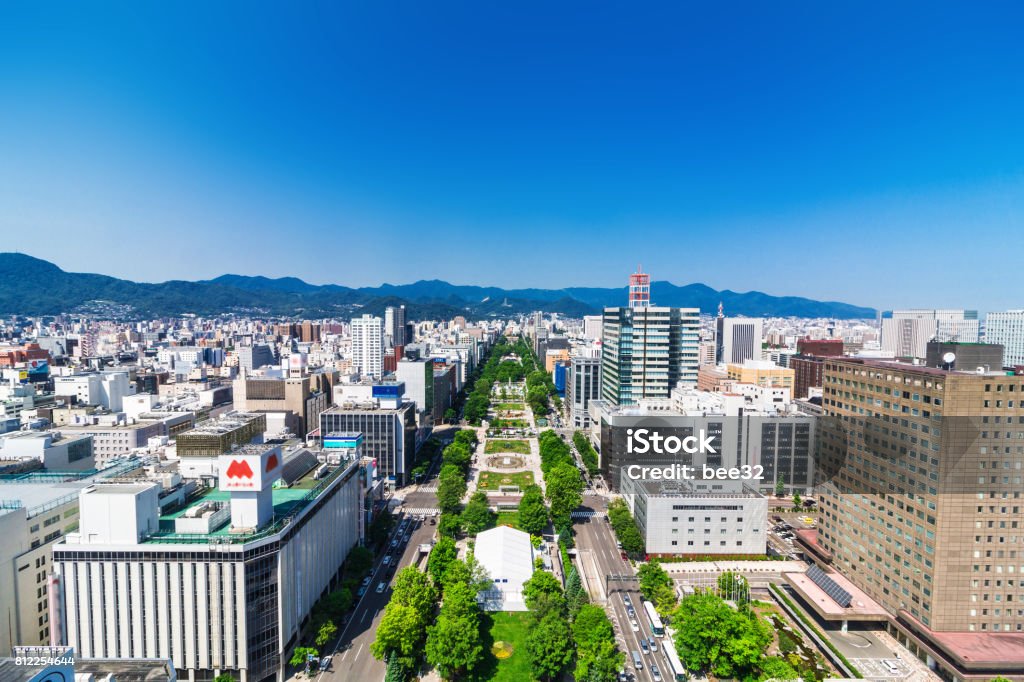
x: 872, y: 154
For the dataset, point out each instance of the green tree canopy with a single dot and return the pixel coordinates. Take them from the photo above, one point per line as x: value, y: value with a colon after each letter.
x: 441, y: 556
x: 564, y: 489
x: 477, y: 515
x: 549, y: 646
x: 533, y: 513
x: 712, y: 637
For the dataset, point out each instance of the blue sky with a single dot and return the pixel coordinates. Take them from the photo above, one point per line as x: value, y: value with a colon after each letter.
x: 872, y: 153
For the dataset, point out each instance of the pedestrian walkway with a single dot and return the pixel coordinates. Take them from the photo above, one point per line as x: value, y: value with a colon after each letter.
x: 587, y: 514
x: 426, y: 511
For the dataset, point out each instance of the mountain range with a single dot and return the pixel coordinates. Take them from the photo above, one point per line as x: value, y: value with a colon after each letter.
x: 32, y: 286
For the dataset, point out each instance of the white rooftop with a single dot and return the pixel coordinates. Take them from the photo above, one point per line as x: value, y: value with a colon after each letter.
x: 506, y: 553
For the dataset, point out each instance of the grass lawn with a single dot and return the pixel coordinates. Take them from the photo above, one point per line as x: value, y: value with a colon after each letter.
x: 521, y: 447
x: 508, y: 518
x: 511, y: 629
x: 493, y: 480
x: 508, y: 406
x: 498, y: 423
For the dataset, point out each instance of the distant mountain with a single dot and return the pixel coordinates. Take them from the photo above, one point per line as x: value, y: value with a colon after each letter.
x: 31, y: 286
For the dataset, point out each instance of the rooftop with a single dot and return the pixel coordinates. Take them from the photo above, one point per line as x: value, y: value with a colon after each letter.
x: 862, y: 607
x: 1002, y: 651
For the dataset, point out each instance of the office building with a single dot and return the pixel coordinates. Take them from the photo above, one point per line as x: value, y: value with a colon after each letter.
x: 292, y: 398
x: 676, y: 519
x: 761, y: 373
x: 219, y: 584
x: 582, y: 385
x: 418, y: 377
x: 808, y: 364
x: 394, y: 326
x: 647, y: 351
x: 592, y: 327
x: 389, y: 432
x: 106, y: 389
x: 1007, y: 329
x: 966, y: 357
x: 907, y: 332
x: 254, y: 357
x: 922, y: 510
x: 368, y: 346
x: 738, y: 339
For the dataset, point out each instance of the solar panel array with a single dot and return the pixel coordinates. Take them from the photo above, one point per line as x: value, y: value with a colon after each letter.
x: 830, y: 587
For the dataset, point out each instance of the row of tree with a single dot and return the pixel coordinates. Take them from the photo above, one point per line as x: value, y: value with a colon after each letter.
x: 587, y: 453
x: 625, y: 528
x: 478, y: 399
x: 563, y: 481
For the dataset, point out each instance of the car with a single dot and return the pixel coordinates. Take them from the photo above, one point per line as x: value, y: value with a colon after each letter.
x: 623, y: 555
x: 325, y: 662
x: 361, y: 591
x: 406, y: 539
x: 366, y: 581
x: 643, y: 646
x: 633, y: 624
x: 381, y: 587
x: 394, y: 544
x: 626, y: 600
x: 387, y: 560
x: 654, y: 644
x: 655, y: 673
x: 631, y: 611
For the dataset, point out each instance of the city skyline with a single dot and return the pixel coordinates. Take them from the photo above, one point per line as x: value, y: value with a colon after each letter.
x: 348, y: 129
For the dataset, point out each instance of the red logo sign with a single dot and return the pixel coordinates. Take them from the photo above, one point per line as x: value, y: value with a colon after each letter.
x: 271, y: 463
x: 239, y: 469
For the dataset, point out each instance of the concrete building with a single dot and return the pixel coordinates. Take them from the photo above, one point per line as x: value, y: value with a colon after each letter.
x: 418, y: 377
x: 922, y: 511
x: 368, y: 346
x: 389, y: 433
x: 647, y: 351
x: 967, y: 357
x: 507, y: 556
x: 582, y: 385
x: 394, y: 326
x: 255, y: 356
x: 220, y: 584
x: 294, y: 397
x: 115, y: 435
x: 592, y: 327
x: 738, y: 339
x: 675, y: 519
x: 761, y: 373
x: 106, y: 389
x: 51, y: 449
x: 198, y: 450
x: 907, y: 332
x: 1007, y: 329
x: 36, y: 511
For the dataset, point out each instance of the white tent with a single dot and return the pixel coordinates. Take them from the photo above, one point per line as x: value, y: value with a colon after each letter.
x: 507, y: 554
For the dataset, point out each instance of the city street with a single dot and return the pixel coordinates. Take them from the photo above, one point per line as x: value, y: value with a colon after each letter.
x: 594, y: 535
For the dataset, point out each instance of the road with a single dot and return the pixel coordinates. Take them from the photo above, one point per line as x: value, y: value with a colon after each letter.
x: 594, y: 535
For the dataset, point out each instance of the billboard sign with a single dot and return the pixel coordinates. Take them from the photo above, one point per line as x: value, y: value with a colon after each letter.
x: 249, y: 470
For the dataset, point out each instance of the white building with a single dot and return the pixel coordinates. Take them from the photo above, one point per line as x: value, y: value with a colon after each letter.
x: 368, y: 345
x: 98, y: 388
x: 676, y: 519
x: 1007, y: 329
x: 738, y: 339
x: 219, y: 586
x: 907, y: 332
x: 507, y: 556
x: 52, y: 449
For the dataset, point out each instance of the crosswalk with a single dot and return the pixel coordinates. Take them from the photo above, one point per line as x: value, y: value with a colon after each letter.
x: 427, y: 489
x: 590, y: 491
x: 426, y: 511
x: 586, y: 514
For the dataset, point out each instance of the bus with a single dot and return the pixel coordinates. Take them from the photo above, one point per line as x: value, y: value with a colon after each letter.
x: 676, y: 671
x: 657, y: 629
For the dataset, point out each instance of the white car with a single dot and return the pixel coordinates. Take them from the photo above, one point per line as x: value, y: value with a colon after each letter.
x: 381, y: 587
x: 633, y: 624
x: 387, y: 560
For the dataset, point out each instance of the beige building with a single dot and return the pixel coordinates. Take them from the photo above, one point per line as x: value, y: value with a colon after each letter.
x: 761, y: 373
x: 923, y: 510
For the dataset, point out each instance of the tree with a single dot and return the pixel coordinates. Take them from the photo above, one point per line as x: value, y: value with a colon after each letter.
x: 338, y: 602
x: 225, y: 677
x: 780, y: 486
x: 450, y: 415
x: 395, y: 672
x: 380, y: 528
x: 543, y: 593
x: 477, y: 515
x: 712, y: 637
x: 565, y: 490
x: 458, y: 455
x: 575, y: 595
x: 301, y: 654
x: 652, y: 576
x: 591, y: 627
x: 451, y: 487
x: 797, y: 502
x: 549, y: 646
x: 326, y: 633
x: 453, y: 645
x: 358, y: 561
x: 466, y: 437
x: 414, y: 588
x: 450, y: 525
x: 625, y: 528
x: 533, y: 514
x: 602, y: 664
x: 441, y: 556
x: 399, y: 635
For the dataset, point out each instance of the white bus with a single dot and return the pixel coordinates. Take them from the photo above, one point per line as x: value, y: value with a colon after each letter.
x: 657, y: 629
x: 676, y: 671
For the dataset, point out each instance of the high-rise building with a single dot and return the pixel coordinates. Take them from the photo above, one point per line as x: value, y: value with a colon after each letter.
x: 922, y: 508
x: 1007, y: 329
x: 394, y: 326
x: 309, y: 332
x: 368, y: 345
x: 582, y: 386
x: 907, y: 332
x: 389, y: 432
x: 738, y: 339
x: 647, y: 351
x: 254, y: 357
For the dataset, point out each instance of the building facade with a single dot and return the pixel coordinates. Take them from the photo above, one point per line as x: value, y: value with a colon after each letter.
x: 368, y: 345
x: 1007, y: 329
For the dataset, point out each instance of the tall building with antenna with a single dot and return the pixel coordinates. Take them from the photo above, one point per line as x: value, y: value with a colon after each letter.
x: 639, y: 289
